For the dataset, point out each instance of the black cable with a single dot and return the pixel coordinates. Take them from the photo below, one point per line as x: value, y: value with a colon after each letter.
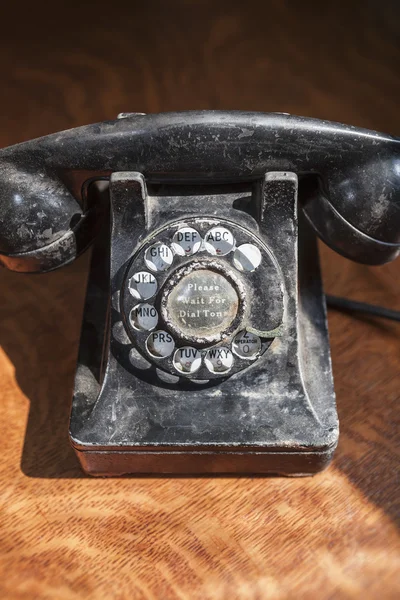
x: 347, y: 305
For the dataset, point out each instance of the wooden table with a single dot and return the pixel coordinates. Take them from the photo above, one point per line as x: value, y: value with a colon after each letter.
x: 66, y: 536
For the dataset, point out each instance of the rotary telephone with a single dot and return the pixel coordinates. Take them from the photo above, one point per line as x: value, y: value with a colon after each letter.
x: 204, y: 345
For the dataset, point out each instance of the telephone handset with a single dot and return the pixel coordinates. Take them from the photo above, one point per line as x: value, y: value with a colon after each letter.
x: 204, y: 342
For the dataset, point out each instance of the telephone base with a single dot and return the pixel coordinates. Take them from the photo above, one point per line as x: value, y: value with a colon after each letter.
x: 298, y: 438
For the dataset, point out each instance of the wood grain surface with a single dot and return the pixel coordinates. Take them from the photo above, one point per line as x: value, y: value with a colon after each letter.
x: 66, y: 536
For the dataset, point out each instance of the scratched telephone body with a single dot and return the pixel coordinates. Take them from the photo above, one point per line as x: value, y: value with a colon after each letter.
x: 204, y: 345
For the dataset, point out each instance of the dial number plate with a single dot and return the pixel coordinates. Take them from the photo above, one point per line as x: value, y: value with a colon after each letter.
x: 185, y: 300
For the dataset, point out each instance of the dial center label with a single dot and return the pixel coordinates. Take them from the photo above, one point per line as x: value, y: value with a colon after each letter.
x: 202, y: 303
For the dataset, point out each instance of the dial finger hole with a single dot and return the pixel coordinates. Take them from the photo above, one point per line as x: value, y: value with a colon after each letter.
x: 246, y: 345
x: 186, y: 241
x: 158, y: 257
x: 187, y: 359
x: 160, y: 344
x: 219, y: 360
x: 247, y: 257
x: 219, y: 241
x: 143, y: 285
x: 144, y: 317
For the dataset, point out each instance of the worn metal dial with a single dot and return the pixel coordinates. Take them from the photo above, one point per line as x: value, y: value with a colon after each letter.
x: 202, y: 298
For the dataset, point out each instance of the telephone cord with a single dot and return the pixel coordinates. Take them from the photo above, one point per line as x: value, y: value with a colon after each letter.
x: 351, y: 306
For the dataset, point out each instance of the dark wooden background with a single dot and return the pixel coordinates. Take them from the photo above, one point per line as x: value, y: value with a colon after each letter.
x: 66, y: 536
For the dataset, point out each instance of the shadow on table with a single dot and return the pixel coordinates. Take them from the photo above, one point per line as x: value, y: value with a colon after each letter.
x: 40, y: 329
x: 367, y: 376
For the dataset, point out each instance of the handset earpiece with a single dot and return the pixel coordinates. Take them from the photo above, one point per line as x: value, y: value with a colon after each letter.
x: 355, y: 208
x: 359, y: 214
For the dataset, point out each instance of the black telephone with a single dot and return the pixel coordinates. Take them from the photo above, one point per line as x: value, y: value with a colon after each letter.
x: 204, y: 345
